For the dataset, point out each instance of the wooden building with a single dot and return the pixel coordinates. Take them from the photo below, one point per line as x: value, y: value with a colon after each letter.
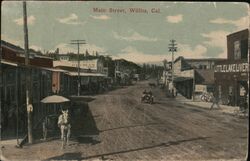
x: 13, y: 86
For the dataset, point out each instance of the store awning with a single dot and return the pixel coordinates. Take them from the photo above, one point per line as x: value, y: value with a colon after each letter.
x: 9, y: 63
x: 86, y: 74
x: 54, y: 69
x: 181, y: 79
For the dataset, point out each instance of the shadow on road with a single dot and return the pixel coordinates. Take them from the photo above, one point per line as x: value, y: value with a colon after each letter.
x: 83, y: 124
x: 77, y: 156
x: 87, y: 140
x: 67, y: 156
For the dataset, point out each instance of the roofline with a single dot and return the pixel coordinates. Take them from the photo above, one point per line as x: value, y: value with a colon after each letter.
x: 204, y: 59
x: 18, y: 48
x: 237, y: 32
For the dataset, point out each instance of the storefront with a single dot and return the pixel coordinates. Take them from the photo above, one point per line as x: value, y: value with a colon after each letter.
x: 231, y: 79
x: 231, y: 75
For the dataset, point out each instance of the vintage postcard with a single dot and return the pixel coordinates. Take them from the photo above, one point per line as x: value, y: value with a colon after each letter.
x: 93, y: 80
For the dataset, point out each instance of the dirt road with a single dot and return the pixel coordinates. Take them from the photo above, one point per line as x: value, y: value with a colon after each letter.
x: 119, y: 127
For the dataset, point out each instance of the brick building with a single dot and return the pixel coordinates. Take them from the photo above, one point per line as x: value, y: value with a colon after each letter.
x: 231, y: 75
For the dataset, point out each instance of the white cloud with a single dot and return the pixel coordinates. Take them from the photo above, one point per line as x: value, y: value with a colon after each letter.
x: 174, y: 19
x: 132, y: 54
x: 35, y: 47
x: 72, y: 19
x: 101, y: 17
x: 185, y: 50
x: 217, y: 39
x: 93, y: 48
x: 240, y: 24
x: 134, y: 37
x: 66, y: 48
x: 19, y: 43
x: 30, y: 20
x: 12, y: 41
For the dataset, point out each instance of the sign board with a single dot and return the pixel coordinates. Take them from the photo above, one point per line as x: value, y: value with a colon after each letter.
x: 227, y: 68
x: 84, y: 64
x: 88, y: 64
x: 200, y: 88
x: 242, y: 91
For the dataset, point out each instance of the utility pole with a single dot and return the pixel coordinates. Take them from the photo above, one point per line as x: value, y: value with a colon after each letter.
x: 78, y: 42
x: 172, y: 48
x: 28, y: 78
x: 165, y: 71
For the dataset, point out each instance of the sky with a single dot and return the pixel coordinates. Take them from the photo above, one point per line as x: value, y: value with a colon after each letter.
x: 199, y: 28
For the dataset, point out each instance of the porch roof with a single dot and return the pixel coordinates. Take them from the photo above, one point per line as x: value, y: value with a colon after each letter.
x: 86, y: 74
x: 181, y: 79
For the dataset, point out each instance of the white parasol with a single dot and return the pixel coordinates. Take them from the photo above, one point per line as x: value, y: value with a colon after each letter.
x: 54, y: 99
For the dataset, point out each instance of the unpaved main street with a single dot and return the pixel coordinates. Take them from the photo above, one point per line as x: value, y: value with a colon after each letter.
x: 118, y: 126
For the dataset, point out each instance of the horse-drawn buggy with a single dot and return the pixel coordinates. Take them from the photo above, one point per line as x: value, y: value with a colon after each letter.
x: 147, y: 97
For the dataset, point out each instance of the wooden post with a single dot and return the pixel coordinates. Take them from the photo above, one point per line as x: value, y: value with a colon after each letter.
x: 78, y: 42
x: 17, y: 107
x: 28, y: 78
x: 193, y: 92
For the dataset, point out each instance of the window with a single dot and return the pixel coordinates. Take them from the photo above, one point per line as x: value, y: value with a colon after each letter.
x: 35, y: 92
x: 237, y: 50
x: 244, y: 48
x: 219, y: 91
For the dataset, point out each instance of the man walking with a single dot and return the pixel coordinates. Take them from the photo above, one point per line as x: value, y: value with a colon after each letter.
x: 215, y: 100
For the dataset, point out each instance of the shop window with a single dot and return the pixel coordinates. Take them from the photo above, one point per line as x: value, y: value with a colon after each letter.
x: 244, y: 48
x: 10, y: 76
x: 35, y: 93
x: 237, y: 50
x: 23, y: 94
x: 10, y: 94
x: 220, y: 91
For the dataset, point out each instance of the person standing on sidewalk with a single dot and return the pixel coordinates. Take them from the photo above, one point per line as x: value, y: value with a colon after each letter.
x: 45, y: 128
x: 215, y: 100
x: 230, y: 97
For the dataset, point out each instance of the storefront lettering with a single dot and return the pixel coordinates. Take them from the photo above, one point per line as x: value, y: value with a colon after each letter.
x: 226, y: 68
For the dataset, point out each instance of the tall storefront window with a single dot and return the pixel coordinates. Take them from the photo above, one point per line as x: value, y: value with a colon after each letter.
x: 244, y: 48
x: 220, y: 92
x: 237, y: 51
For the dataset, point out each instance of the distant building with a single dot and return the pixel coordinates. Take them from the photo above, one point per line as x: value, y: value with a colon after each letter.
x: 191, y: 76
x: 94, y: 65
x: 64, y: 57
x: 124, y: 71
x: 232, y: 74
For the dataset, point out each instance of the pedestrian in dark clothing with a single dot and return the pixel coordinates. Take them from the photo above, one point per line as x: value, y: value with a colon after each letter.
x: 215, y: 101
x: 230, y: 97
x: 45, y: 128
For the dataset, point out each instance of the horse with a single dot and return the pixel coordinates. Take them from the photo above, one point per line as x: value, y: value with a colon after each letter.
x: 64, y: 125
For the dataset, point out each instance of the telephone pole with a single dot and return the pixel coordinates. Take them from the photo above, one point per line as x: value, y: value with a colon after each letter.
x: 28, y: 78
x: 165, y: 71
x: 172, y: 48
x: 78, y: 42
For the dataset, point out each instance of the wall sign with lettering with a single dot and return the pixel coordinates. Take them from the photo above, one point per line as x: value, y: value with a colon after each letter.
x: 226, y: 68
